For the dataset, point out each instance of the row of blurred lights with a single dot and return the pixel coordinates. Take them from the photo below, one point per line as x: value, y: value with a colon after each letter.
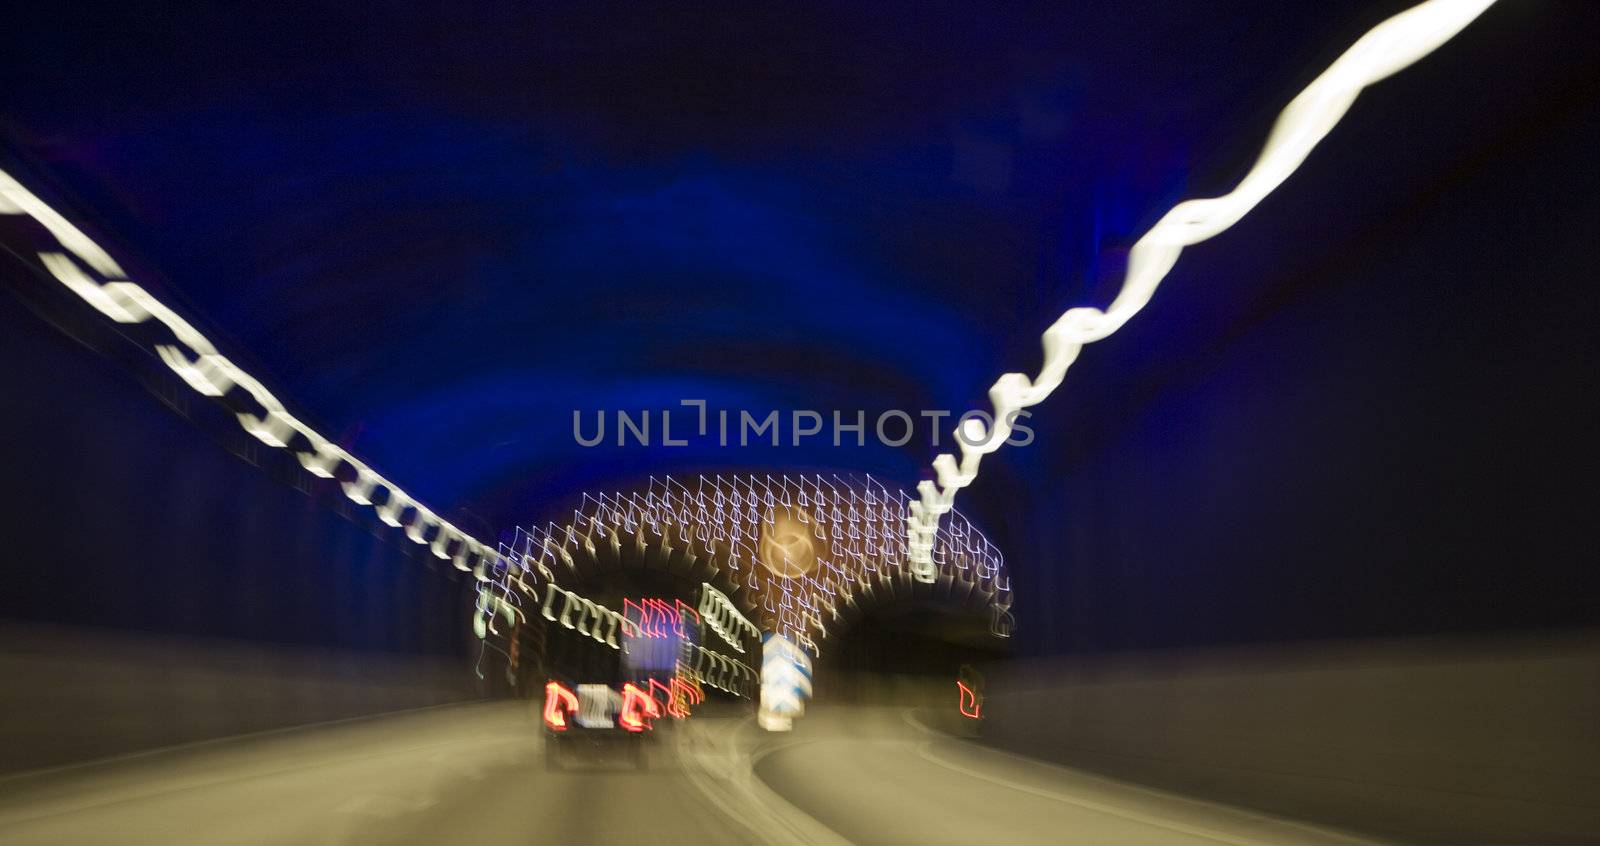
x: 196, y: 360
x: 846, y: 540
x: 720, y: 614
x: 1385, y: 49
x: 212, y: 374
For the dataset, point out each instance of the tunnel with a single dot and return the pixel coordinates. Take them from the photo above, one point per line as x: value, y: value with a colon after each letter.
x: 1090, y: 423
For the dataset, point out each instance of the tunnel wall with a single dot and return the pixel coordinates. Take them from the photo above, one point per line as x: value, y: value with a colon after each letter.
x: 77, y: 694
x: 166, y: 581
x: 1385, y: 430
x: 1425, y: 740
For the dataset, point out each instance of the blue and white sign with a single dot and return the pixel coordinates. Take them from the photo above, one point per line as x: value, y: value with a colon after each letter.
x: 785, y: 682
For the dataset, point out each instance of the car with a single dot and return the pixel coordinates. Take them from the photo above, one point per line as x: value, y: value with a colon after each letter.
x: 586, y: 716
x: 601, y: 698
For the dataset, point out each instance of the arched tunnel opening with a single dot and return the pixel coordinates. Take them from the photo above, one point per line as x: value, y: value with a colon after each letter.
x: 907, y: 653
x: 785, y: 565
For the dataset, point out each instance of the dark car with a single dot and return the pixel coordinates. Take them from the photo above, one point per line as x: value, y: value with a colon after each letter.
x: 600, y: 698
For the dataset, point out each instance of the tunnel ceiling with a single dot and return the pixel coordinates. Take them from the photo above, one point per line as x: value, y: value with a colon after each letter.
x: 438, y: 234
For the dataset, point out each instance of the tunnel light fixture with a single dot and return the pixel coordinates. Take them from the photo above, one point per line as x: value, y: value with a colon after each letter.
x: 1385, y: 49
x: 724, y: 618
x: 577, y: 613
x: 88, y: 271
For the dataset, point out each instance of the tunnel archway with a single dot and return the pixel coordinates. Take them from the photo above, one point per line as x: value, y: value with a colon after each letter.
x: 804, y: 557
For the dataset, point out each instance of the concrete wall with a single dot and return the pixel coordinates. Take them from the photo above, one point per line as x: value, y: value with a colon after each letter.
x: 77, y: 694
x: 1440, y: 741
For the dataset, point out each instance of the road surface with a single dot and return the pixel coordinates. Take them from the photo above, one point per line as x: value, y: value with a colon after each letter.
x: 476, y: 774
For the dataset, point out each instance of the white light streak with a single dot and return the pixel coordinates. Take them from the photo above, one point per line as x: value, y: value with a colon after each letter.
x: 1385, y: 49
x: 719, y: 613
x: 211, y: 374
x: 720, y: 671
x: 583, y: 616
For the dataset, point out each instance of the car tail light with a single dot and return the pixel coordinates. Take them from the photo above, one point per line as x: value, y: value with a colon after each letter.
x: 636, y: 706
x: 558, y: 702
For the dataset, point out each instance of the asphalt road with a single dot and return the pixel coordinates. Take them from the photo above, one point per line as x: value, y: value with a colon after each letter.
x: 477, y: 774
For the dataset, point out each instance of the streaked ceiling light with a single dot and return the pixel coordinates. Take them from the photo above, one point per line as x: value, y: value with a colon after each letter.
x: 1385, y: 49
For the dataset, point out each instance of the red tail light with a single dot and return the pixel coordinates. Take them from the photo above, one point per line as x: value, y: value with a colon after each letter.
x: 636, y: 706
x: 558, y: 702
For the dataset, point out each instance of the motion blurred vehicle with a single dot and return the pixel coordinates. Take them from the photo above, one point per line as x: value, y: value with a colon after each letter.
x: 605, y: 702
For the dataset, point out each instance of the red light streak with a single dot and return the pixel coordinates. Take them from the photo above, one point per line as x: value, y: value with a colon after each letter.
x: 682, y: 607
x: 556, y: 698
x: 636, y: 706
x: 667, y: 613
x: 657, y: 622
x: 969, y: 699
x: 674, y: 709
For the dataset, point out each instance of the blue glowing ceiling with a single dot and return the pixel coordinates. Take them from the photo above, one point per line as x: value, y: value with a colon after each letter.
x: 440, y: 233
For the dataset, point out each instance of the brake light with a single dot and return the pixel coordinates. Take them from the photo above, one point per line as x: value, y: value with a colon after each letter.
x: 558, y: 701
x: 636, y: 706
